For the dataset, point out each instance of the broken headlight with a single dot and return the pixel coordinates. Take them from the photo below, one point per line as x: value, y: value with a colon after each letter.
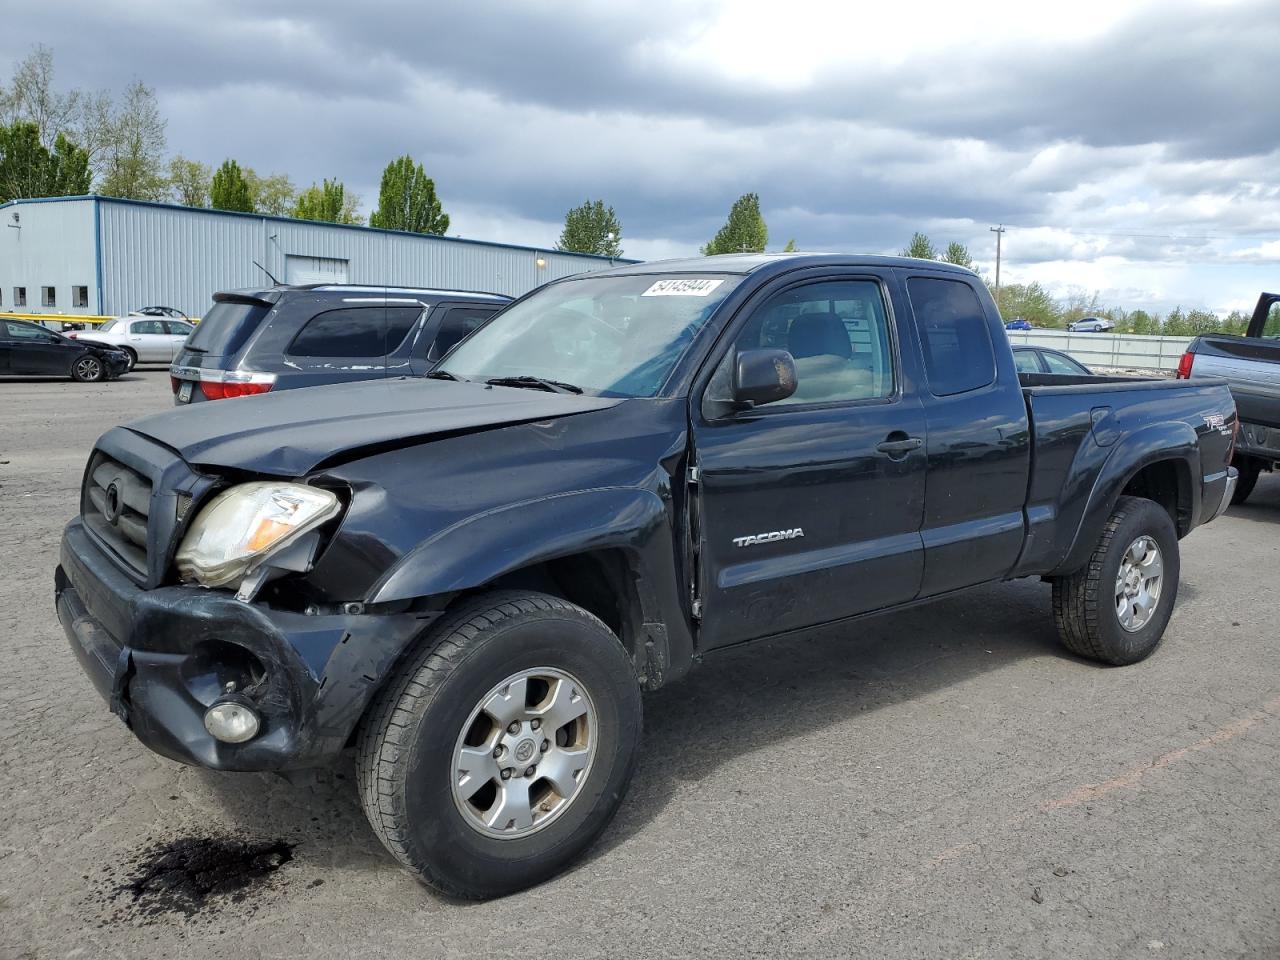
x: 252, y: 526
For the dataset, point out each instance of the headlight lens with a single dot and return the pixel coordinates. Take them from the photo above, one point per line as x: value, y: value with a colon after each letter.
x: 243, y: 526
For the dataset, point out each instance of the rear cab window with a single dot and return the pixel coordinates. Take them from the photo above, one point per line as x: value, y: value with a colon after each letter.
x: 227, y: 326
x: 954, y: 337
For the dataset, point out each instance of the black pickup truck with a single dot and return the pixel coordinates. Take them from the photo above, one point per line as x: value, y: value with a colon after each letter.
x: 1250, y: 365
x: 471, y: 576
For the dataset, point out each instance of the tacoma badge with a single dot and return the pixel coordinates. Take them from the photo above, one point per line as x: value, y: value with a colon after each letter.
x: 792, y: 534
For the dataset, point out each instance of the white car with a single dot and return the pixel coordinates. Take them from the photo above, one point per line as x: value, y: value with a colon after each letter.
x: 147, y: 339
x: 1092, y: 325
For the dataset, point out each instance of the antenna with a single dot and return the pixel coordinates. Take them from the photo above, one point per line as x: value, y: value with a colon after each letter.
x: 266, y: 271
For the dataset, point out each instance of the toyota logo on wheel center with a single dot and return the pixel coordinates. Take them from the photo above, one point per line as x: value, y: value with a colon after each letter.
x: 525, y: 750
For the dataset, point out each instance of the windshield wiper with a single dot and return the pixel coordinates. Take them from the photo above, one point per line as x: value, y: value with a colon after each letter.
x: 537, y: 383
x: 446, y: 375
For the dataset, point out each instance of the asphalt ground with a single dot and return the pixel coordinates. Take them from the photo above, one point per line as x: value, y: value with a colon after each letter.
x: 941, y: 783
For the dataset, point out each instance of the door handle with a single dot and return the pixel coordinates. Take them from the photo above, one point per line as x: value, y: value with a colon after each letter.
x: 899, y: 445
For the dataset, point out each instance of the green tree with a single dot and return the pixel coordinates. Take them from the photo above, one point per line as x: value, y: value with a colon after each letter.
x: 133, y: 160
x: 70, y: 175
x: 956, y: 253
x: 1175, y: 324
x: 1030, y: 301
x: 920, y: 247
x: 591, y: 228
x: 27, y: 169
x: 790, y: 247
x: 1141, y: 322
x: 1235, y: 323
x: 229, y: 190
x: 274, y: 194
x: 407, y: 200
x: 744, y: 232
x: 189, y: 182
x: 328, y: 201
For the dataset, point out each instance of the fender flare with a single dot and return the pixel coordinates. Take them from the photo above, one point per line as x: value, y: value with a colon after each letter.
x: 1158, y: 442
x: 480, y: 549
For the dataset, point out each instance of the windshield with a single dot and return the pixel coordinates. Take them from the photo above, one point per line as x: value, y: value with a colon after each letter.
x: 107, y: 326
x: 614, y: 336
x: 226, y: 327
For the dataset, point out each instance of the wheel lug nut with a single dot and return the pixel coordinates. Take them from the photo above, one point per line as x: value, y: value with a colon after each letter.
x: 513, y: 726
x: 529, y: 772
x: 536, y: 723
x: 498, y: 751
x: 546, y: 745
x: 506, y: 774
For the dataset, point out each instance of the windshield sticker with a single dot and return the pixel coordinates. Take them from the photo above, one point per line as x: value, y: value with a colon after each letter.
x: 690, y: 287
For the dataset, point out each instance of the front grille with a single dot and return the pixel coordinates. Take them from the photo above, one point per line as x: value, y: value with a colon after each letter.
x: 117, y: 505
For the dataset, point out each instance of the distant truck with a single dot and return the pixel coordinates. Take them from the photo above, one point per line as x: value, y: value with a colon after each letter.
x: 470, y: 576
x: 1251, y: 366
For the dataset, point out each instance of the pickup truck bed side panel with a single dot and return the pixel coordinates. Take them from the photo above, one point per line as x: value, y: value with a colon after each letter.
x: 1083, y: 460
x: 1251, y: 367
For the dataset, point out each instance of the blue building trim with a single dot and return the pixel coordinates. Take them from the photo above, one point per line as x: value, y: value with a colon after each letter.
x: 319, y: 223
x: 97, y: 251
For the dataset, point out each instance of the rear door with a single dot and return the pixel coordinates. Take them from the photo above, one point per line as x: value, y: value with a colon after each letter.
x: 177, y: 332
x: 979, y: 452
x: 809, y: 509
x: 447, y: 325
x: 149, y: 340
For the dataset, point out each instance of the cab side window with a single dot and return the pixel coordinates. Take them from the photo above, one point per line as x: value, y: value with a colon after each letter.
x: 838, y: 333
x: 958, y: 354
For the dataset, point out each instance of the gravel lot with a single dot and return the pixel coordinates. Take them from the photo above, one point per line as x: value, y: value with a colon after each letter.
x: 944, y: 783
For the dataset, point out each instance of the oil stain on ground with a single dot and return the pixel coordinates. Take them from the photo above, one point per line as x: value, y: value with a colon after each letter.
x: 191, y: 879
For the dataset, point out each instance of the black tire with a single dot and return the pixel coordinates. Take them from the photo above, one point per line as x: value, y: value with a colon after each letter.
x: 133, y: 359
x: 88, y: 369
x: 1249, y: 470
x: 405, y: 749
x: 1084, y: 603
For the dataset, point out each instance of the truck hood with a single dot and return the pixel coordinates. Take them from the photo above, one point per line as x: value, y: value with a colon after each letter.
x: 295, y: 431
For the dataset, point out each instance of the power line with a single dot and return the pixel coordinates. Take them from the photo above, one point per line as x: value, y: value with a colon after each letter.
x: 1148, y: 236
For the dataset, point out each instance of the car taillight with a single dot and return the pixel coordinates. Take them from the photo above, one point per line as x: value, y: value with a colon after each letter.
x: 1184, y: 366
x: 71, y: 336
x: 225, y: 389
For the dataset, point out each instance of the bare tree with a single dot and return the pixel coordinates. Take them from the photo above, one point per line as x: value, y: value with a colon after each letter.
x: 31, y: 97
x: 134, y: 156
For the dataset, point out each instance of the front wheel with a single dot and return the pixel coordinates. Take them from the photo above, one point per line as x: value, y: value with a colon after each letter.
x: 500, y: 752
x: 88, y: 369
x: 133, y: 359
x: 1116, y: 608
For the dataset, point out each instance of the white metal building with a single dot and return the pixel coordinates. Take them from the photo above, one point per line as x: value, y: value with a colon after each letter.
x: 98, y: 255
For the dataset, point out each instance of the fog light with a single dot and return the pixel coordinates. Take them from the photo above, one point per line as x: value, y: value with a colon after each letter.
x: 232, y: 721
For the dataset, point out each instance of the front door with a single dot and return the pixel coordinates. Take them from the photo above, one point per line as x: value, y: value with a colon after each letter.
x: 35, y: 351
x: 809, y: 509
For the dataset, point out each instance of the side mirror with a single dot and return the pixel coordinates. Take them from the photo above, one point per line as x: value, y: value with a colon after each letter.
x: 763, y: 376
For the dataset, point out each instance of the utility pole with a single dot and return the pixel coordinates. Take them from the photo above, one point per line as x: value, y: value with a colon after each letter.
x: 999, y: 232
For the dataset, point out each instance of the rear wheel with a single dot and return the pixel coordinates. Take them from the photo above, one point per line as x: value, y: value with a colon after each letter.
x: 88, y: 369
x: 1249, y: 469
x: 501, y: 751
x: 1116, y: 608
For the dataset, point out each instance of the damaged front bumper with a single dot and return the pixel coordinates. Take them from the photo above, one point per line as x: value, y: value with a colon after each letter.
x: 162, y: 657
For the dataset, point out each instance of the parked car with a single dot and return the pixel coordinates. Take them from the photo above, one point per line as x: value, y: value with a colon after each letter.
x: 1092, y: 325
x: 31, y: 349
x: 473, y: 574
x: 1251, y: 366
x: 255, y: 341
x: 145, y: 339
x: 1018, y: 323
x: 172, y: 313
x: 1030, y: 359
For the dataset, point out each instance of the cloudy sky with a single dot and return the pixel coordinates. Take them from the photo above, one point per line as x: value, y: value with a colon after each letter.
x: 1131, y: 148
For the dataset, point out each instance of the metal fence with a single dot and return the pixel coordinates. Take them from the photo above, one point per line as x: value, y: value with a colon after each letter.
x: 1121, y: 351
